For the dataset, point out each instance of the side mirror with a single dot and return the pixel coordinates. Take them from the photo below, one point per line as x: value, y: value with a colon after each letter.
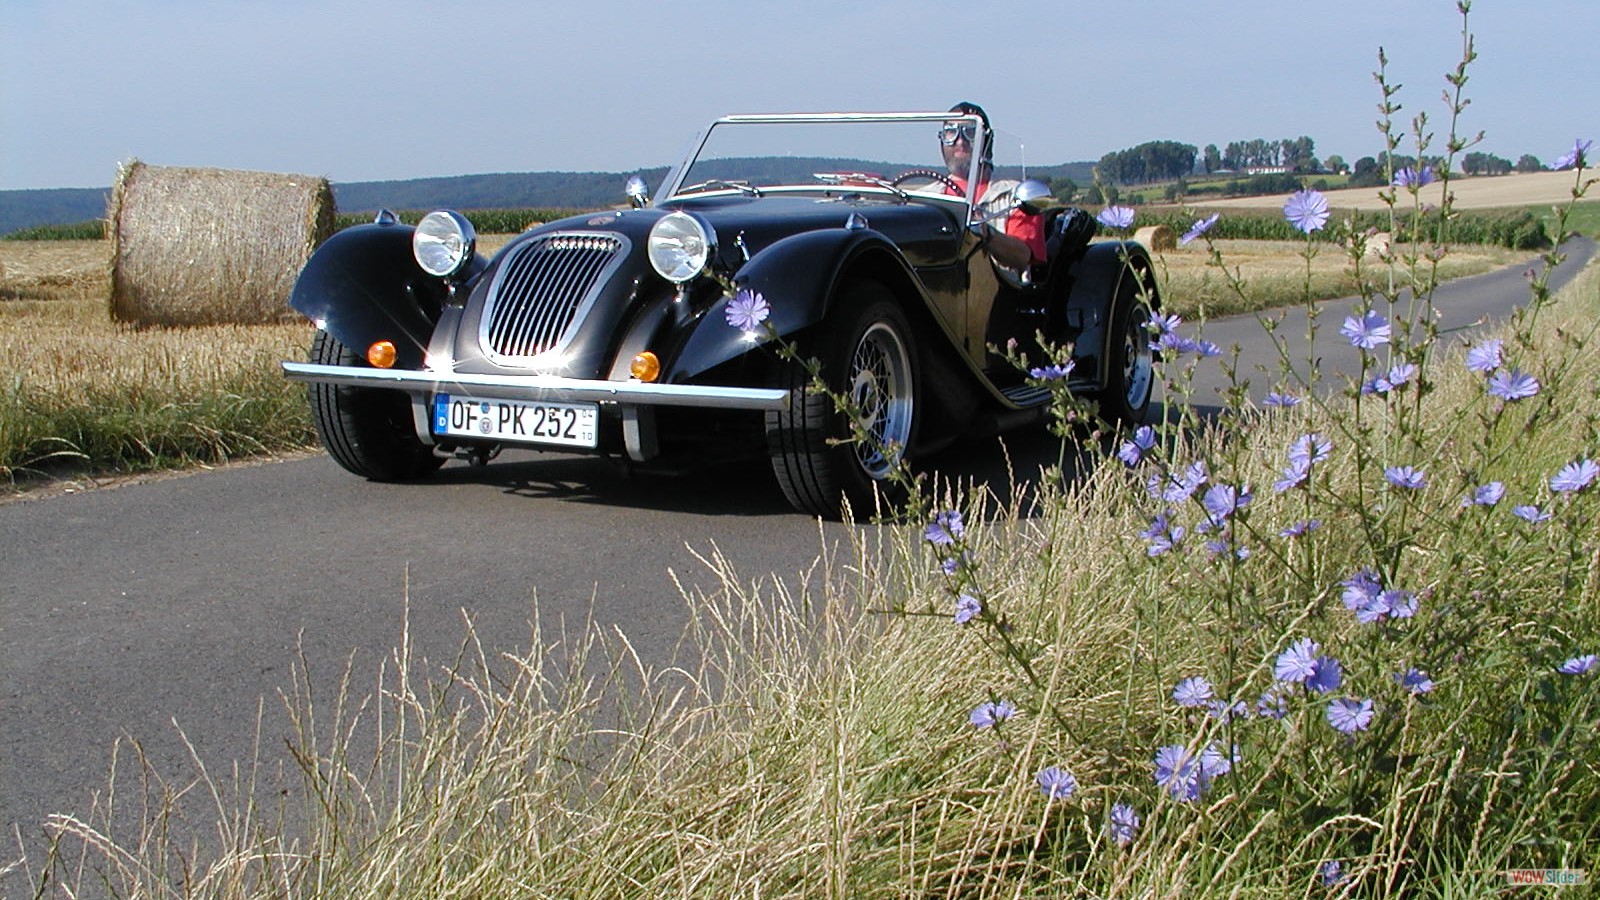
x: 1033, y: 196
x: 638, y: 192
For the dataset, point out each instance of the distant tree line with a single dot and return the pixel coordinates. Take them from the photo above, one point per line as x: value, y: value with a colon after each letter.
x: 1150, y: 161
x: 1293, y: 154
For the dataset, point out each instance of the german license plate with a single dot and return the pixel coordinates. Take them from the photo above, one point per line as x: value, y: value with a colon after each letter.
x: 566, y: 424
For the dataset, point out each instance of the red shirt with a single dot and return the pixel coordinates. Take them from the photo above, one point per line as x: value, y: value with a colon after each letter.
x: 1024, y: 226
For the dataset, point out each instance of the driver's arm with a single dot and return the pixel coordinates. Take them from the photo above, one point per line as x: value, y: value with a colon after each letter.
x: 1013, y: 253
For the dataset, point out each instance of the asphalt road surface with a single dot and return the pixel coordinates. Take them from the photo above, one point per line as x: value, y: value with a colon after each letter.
x: 183, y: 602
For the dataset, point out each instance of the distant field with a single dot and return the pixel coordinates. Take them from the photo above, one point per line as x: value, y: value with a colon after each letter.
x: 1483, y: 192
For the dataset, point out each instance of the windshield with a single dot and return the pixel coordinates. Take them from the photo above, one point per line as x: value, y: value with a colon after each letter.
x: 869, y: 152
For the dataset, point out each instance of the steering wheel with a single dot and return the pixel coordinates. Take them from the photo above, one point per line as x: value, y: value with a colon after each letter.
x: 931, y: 175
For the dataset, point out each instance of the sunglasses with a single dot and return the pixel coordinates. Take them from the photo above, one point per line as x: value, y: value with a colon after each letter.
x: 949, y: 134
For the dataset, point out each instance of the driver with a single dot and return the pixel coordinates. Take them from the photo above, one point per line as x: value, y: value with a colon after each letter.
x: 1016, y: 240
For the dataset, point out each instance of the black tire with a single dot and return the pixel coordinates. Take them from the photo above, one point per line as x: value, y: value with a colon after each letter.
x: 1130, y: 362
x: 866, y: 354
x: 366, y: 430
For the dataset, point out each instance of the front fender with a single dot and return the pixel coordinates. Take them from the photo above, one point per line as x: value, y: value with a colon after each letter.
x: 1094, y: 282
x: 795, y: 275
x: 363, y: 285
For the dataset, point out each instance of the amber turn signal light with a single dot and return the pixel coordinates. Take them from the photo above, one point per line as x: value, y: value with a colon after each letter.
x: 645, y: 367
x: 382, y: 355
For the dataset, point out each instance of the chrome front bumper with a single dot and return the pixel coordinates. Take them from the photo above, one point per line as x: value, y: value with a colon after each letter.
x: 537, y: 388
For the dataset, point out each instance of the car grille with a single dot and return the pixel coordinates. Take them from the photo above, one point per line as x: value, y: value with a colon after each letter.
x: 542, y: 289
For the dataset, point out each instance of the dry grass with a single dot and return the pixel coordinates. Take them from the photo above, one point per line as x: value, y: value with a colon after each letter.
x: 53, y: 270
x: 1274, y: 273
x: 1483, y: 192
x: 84, y: 393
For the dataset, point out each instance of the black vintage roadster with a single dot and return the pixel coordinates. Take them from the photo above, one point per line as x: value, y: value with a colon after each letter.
x: 653, y: 332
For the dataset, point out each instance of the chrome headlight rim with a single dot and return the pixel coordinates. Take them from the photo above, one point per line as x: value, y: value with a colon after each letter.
x: 681, y: 246
x: 443, y: 243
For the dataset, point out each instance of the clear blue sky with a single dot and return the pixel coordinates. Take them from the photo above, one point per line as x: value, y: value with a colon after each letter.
x: 364, y: 90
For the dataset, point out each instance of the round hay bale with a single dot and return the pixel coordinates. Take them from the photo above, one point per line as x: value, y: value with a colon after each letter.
x: 1378, y: 244
x: 1158, y: 238
x: 211, y: 246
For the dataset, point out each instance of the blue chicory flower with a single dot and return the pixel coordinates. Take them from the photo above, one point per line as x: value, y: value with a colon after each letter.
x: 1310, y: 449
x: 1185, y: 777
x: 1124, y: 824
x: 1402, y: 603
x: 1396, y: 603
x: 1485, y: 357
x: 1402, y: 373
x: 1327, y: 677
x: 1298, y: 663
x: 1056, y: 783
x: 950, y: 565
x: 1280, y: 400
x: 1414, y: 680
x: 1529, y: 513
x: 1331, y: 873
x: 747, y: 310
x: 1574, y: 476
x: 1053, y: 372
x: 1414, y: 178
x: 1361, y: 589
x: 1410, y: 478
x: 1306, y: 210
x: 1348, y: 715
x: 1513, y: 385
x: 968, y: 608
x: 1579, y: 665
x: 1162, y: 536
x: 1200, y: 227
x: 945, y: 529
x: 1578, y: 156
x: 1221, y: 501
x: 1133, y: 450
x: 1193, y: 691
x: 1485, y: 494
x: 989, y: 713
x: 1177, y: 487
x: 1115, y: 217
x: 1368, y: 332
x: 1296, y: 475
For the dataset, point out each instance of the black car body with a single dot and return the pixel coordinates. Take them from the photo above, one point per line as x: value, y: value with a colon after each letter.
x: 614, y: 332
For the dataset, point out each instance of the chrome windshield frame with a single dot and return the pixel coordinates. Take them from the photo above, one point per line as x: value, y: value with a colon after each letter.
x: 675, y: 178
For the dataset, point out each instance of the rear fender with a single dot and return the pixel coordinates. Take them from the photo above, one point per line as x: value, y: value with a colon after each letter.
x: 1092, y: 286
x: 363, y: 285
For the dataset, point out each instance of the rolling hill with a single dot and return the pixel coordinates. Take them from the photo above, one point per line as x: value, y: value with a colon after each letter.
x: 507, y: 190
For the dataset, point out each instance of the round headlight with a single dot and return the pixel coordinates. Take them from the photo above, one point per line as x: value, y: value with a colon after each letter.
x: 443, y: 242
x: 680, y: 245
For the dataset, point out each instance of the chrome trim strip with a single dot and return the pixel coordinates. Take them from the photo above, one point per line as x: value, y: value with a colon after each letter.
x: 542, y: 387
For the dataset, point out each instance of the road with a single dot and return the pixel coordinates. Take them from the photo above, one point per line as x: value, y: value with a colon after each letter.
x: 183, y: 602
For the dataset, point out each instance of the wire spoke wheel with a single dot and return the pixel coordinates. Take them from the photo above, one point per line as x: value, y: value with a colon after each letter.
x: 880, y: 396
x: 826, y: 454
x: 1130, y: 376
